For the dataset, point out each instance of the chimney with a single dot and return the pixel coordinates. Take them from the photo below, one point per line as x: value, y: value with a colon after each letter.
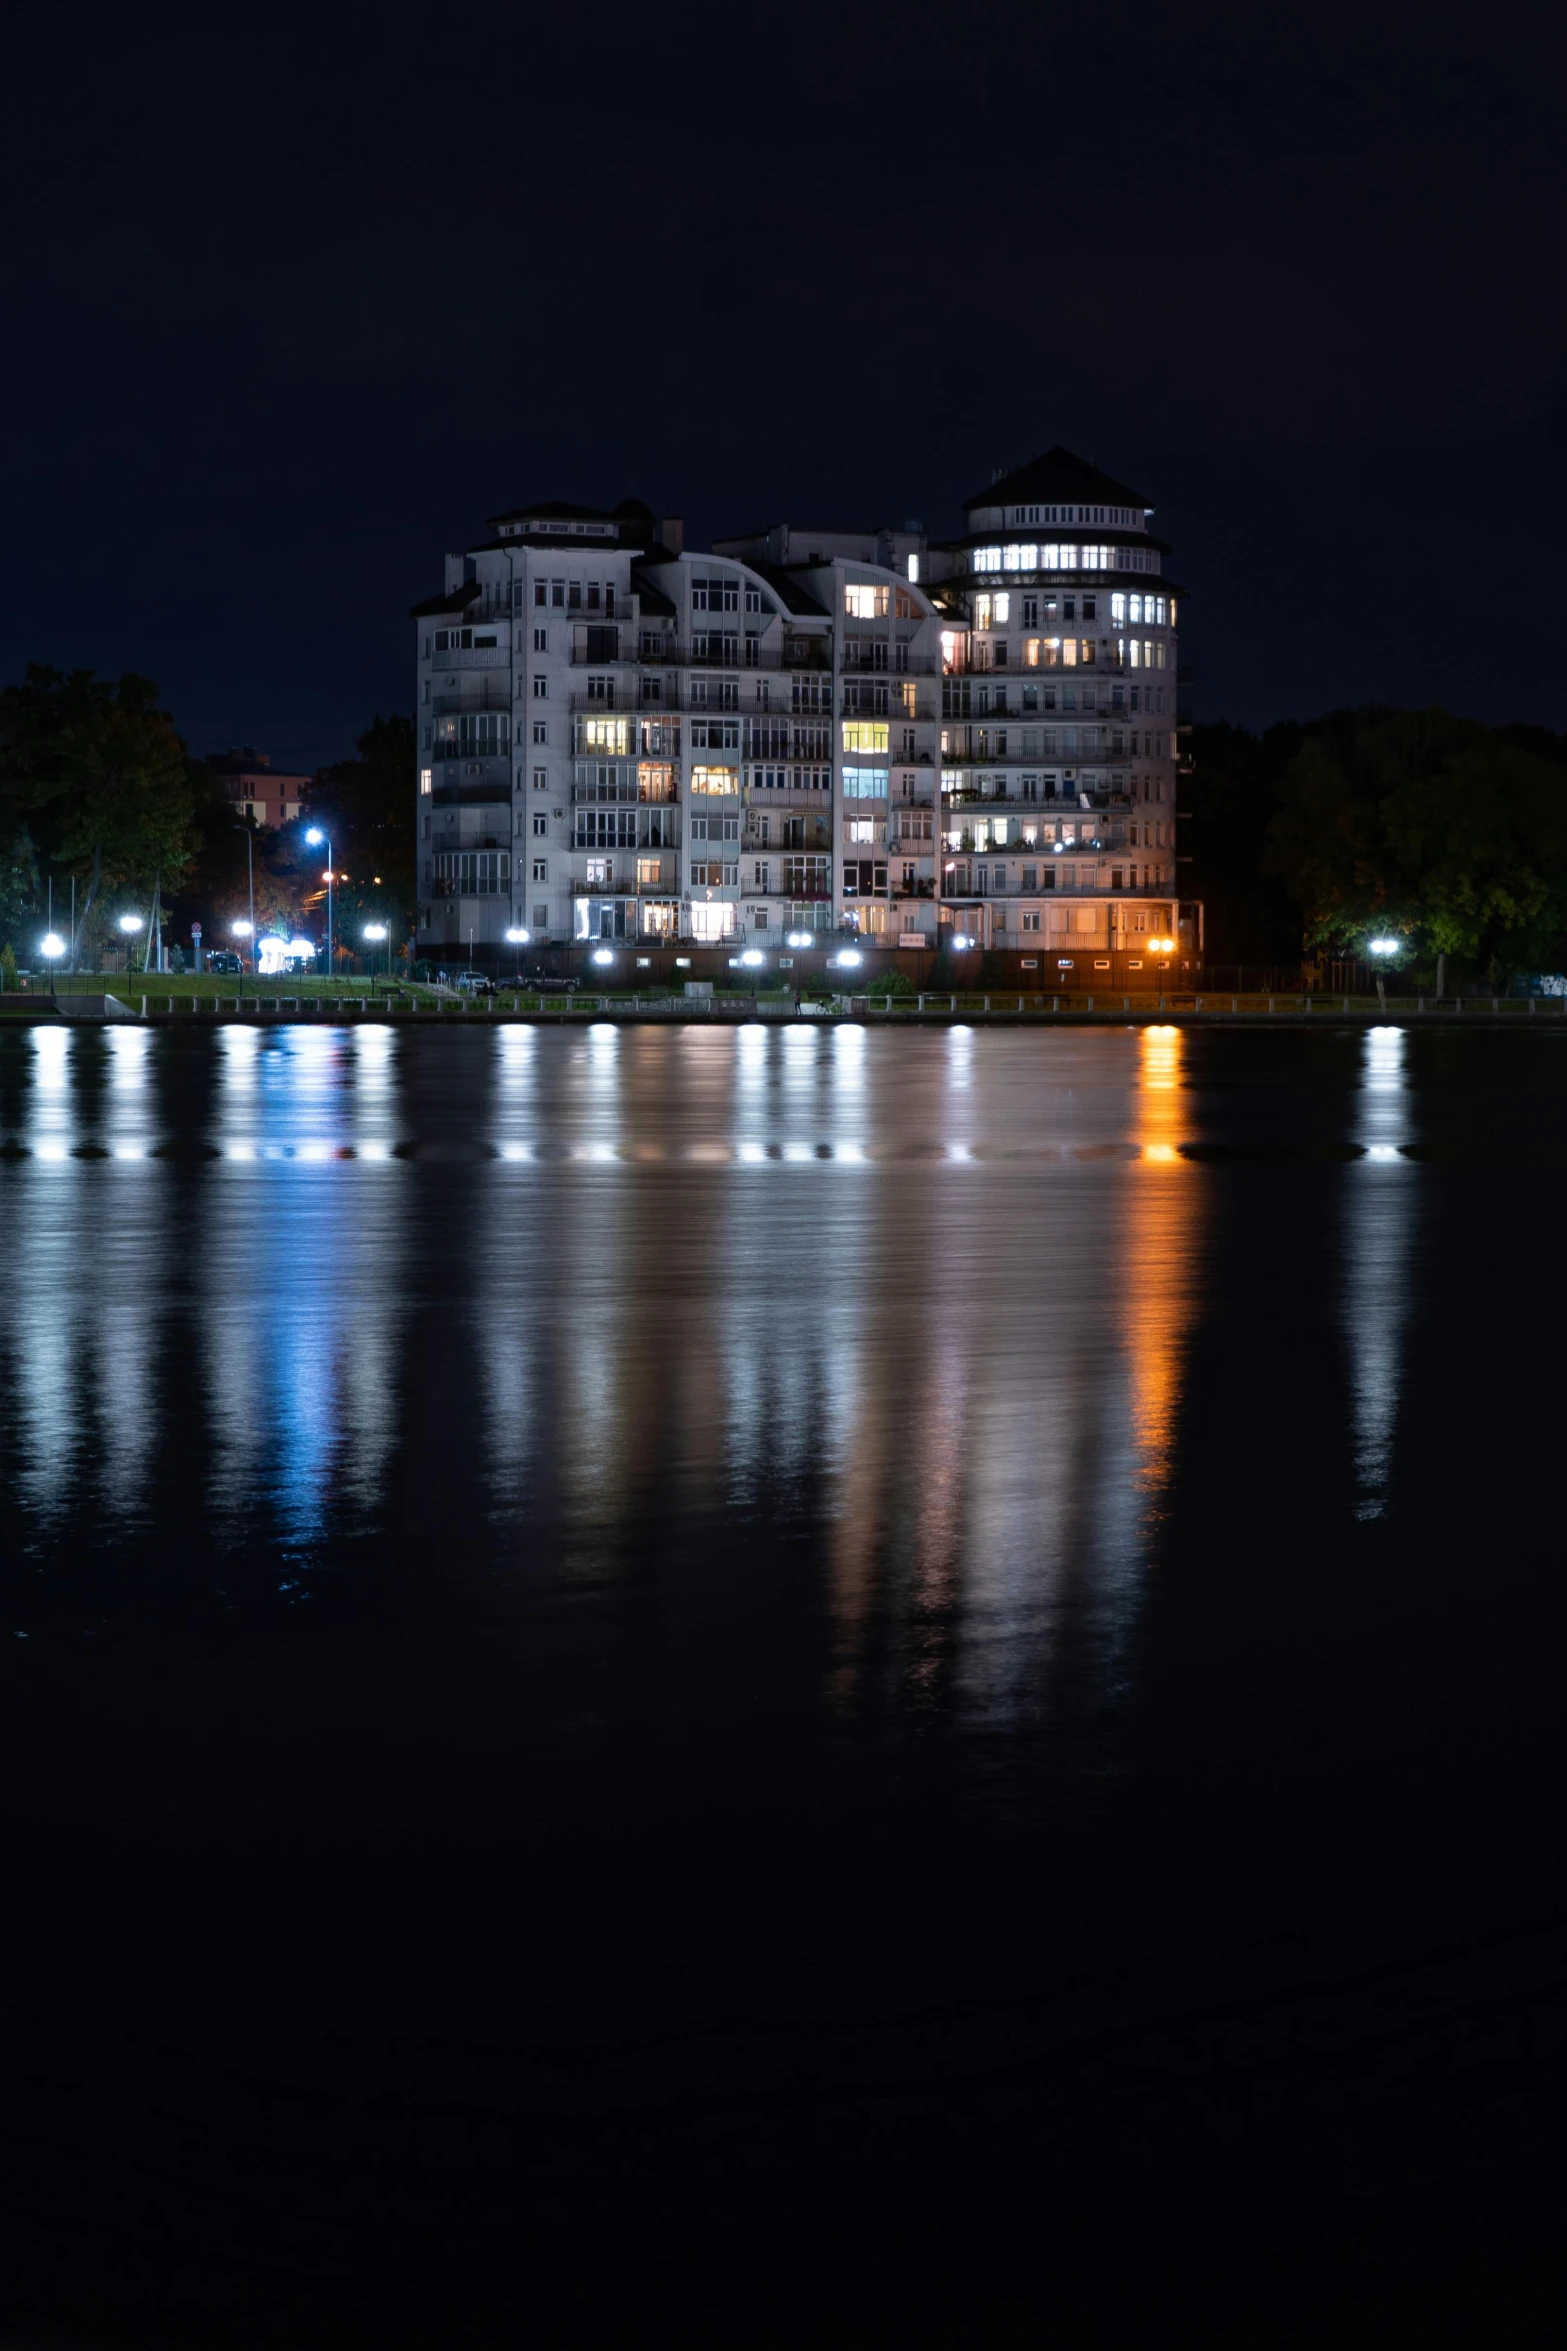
x: 672, y: 531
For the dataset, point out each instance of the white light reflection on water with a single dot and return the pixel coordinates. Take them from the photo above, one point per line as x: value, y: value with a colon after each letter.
x: 1380, y: 1200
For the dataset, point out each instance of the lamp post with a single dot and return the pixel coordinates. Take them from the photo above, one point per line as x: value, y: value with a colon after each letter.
x: 52, y: 948
x: 375, y: 932
x: 315, y: 837
x: 517, y: 938
x: 249, y: 931
x: 130, y: 924
x: 245, y: 930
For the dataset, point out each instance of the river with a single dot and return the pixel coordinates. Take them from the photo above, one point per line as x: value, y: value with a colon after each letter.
x: 645, y: 1660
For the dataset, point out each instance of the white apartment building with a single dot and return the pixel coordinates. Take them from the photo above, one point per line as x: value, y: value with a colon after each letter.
x: 807, y: 732
x: 1058, y: 744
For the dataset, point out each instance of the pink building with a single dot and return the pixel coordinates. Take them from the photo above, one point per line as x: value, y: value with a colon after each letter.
x: 256, y: 788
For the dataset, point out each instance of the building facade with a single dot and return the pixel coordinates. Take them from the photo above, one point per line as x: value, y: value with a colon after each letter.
x: 806, y: 735
x: 256, y: 788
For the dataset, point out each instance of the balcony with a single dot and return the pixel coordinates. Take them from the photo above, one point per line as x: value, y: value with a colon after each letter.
x: 679, y: 653
x: 474, y: 657
x: 601, y: 645
x: 488, y: 697
x: 917, y: 665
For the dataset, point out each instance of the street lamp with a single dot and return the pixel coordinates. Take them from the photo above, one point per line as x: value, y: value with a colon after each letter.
x: 1383, y: 946
x: 248, y: 930
x: 517, y: 937
x: 52, y: 947
x: 130, y: 924
x: 315, y: 837
x: 375, y: 932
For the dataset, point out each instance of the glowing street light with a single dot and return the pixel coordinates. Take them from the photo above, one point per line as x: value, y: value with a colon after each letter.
x: 52, y: 947
x: 961, y: 942
x: 753, y: 956
x: 799, y: 938
x: 1383, y: 946
x: 315, y: 837
x: 603, y: 955
x: 375, y: 932
x: 242, y: 929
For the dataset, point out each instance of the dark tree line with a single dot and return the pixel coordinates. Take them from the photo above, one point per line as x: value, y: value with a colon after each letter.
x: 98, y: 788
x: 1312, y: 837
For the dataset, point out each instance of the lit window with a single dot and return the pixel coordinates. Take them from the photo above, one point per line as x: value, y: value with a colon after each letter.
x: 865, y: 601
x: 866, y: 735
x: 604, y: 734
x: 865, y: 783
x: 424, y: 779
x: 1003, y: 610
x: 986, y: 559
x: 914, y: 567
x: 715, y: 782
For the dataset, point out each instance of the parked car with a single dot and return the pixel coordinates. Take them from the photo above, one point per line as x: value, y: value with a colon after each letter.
x: 225, y: 960
x: 475, y: 983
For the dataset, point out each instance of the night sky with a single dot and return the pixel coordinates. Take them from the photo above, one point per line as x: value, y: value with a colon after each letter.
x: 292, y: 305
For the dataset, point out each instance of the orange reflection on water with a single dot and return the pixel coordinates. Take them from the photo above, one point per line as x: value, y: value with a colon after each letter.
x: 1157, y: 1294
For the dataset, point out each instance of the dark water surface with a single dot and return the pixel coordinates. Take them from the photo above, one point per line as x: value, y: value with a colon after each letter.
x: 782, y: 1683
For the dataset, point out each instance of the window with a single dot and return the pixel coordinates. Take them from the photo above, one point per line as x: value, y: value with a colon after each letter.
x: 541, y: 777
x: 541, y: 640
x: 558, y: 594
x: 865, y: 783
x: 611, y: 735
x: 541, y: 869
x: 715, y: 734
x: 865, y: 600
x: 914, y: 567
x: 541, y: 915
x: 541, y: 689
x: 866, y: 735
x: 655, y: 781
x: 1030, y: 919
x: 753, y: 597
x: 541, y: 593
x: 472, y: 873
x: 425, y: 779
x: 715, y: 594
x: 986, y: 559
x: 712, y: 781
x: 650, y: 872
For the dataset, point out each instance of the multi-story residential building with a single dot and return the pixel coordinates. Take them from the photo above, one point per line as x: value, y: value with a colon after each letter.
x: 621, y: 741
x: 257, y: 789
x: 1058, y: 746
x: 807, y: 734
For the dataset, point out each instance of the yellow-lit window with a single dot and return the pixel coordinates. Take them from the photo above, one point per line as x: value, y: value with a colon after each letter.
x: 982, y: 606
x: 717, y: 781
x: 604, y: 734
x: 1030, y: 652
x: 1003, y: 608
x: 1085, y: 652
x: 424, y: 780
x: 655, y: 781
x: 906, y: 696
x: 862, y: 734
x: 865, y: 601
x: 1069, y: 652
x: 649, y: 869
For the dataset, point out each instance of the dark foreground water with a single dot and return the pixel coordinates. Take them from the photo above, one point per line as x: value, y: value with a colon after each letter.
x: 782, y: 1685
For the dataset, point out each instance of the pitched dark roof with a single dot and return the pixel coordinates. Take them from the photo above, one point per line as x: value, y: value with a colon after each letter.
x: 796, y: 598
x: 1056, y: 477
x: 654, y: 603
x: 453, y: 601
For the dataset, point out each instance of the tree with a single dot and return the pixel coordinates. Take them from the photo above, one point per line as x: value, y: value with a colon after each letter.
x: 100, y: 770
x: 1433, y: 828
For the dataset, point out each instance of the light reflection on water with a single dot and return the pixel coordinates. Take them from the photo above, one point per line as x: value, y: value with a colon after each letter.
x: 863, y: 1356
